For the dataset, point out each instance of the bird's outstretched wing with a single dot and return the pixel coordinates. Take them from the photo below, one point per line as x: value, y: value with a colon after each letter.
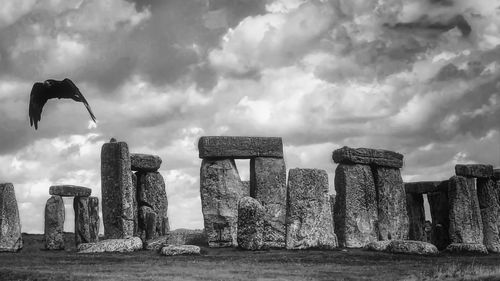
x: 77, y: 96
x: 37, y: 101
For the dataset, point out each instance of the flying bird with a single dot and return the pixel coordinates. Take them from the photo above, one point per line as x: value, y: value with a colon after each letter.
x: 41, y: 92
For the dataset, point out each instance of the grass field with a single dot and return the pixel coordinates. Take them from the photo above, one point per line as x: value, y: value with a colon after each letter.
x: 33, y: 263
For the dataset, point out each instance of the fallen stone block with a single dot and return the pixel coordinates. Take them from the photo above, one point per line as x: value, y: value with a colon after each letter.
x: 309, y: 221
x: 10, y: 225
x: 151, y: 193
x: 471, y: 248
x: 422, y: 187
x: 117, y: 191
x: 474, y: 170
x: 269, y: 188
x: 176, y: 250
x: 466, y: 225
x: 378, y: 246
x: 112, y: 245
x: 355, y: 210
x: 411, y: 247
x: 155, y: 244
x: 439, y: 208
x: 368, y: 156
x: 240, y: 147
x: 221, y: 188
x: 145, y: 162
x: 392, y: 221
x: 54, y: 223
x: 70, y: 191
x: 250, y: 224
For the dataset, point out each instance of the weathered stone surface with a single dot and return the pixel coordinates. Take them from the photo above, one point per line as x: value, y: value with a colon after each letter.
x: 474, y: 170
x: 54, y: 223
x: 70, y: 191
x: 250, y: 224
x: 496, y: 174
x: 368, y: 156
x: 378, y: 246
x: 147, y: 219
x: 391, y: 204
x: 94, y: 219
x: 269, y: 188
x: 471, y: 248
x: 156, y: 243
x: 489, y: 205
x: 151, y: 193
x: 82, y: 220
x: 355, y: 206
x: 466, y: 225
x: 416, y: 216
x: 117, y: 191
x: 176, y: 250
x: 438, y: 203
x: 221, y: 189
x: 135, y: 206
x: 112, y: 245
x: 421, y: 187
x: 10, y: 225
x: 240, y: 147
x: 145, y: 162
x: 309, y: 222
x: 187, y: 237
x: 412, y: 247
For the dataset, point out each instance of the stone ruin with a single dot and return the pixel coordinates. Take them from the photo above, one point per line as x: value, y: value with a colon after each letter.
x: 10, y: 225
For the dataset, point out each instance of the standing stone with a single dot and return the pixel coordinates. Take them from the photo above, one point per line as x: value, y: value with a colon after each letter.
x: 117, y: 191
x: 250, y: 224
x: 151, y: 192
x: 220, y: 189
x: 82, y: 220
x: 94, y: 219
x: 10, y: 225
x: 438, y: 203
x: 54, y: 223
x: 145, y: 162
x: 466, y: 225
x: 308, y: 222
x: 416, y: 216
x: 488, y: 203
x: 135, y: 207
x: 147, y: 223
x: 332, y: 206
x: 268, y: 186
x: 391, y: 198
x: 355, y: 205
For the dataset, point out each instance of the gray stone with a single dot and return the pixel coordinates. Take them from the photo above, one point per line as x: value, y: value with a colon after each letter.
x: 472, y: 248
x: 368, y: 156
x: 488, y: 203
x: 187, y: 237
x: 82, y: 220
x: 412, y: 247
x: 466, y: 225
x: 438, y: 203
x: 496, y: 174
x: 378, y: 246
x: 94, y: 219
x: 156, y: 243
x: 70, y: 190
x: 151, y: 193
x: 416, y: 216
x: 147, y: 219
x: 135, y: 207
x: 269, y: 188
x: 221, y: 189
x: 176, y: 250
x: 10, y: 225
x: 240, y: 147
x: 54, y: 223
x: 309, y: 221
x: 117, y: 191
x: 145, y: 162
x: 474, y: 170
x: 355, y: 206
x: 111, y: 245
x: 425, y: 187
x: 250, y: 224
x: 391, y: 204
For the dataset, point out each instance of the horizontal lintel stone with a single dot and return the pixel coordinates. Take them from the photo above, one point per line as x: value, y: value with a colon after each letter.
x: 496, y: 174
x: 368, y: 156
x: 240, y: 147
x: 70, y: 190
x: 474, y: 170
x: 421, y: 187
x: 145, y: 162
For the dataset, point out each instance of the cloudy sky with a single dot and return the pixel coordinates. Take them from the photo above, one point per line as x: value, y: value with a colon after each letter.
x: 417, y: 77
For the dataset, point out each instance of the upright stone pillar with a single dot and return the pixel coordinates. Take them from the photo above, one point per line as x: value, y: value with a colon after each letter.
x: 268, y: 186
x: 221, y: 188
x: 416, y: 215
x: 94, y: 219
x: 10, y: 225
x: 54, y: 223
x: 309, y: 223
x: 250, y: 224
x: 438, y: 203
x: 151, y: 193
x: 82, y: 220
x: 355, y: 205
x: 490, y: 210
x: 117, y: 191
x: 135, y: 206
